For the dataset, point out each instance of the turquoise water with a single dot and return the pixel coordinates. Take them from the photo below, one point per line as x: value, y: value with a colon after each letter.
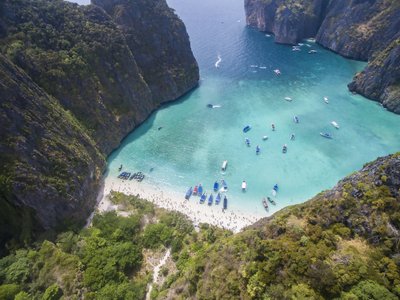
x: 194, y: 140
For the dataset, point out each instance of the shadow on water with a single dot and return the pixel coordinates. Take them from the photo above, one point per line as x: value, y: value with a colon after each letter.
x: 146, y: 125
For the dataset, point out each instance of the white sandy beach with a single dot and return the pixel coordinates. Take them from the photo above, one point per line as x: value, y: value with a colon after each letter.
x: 198, y: 213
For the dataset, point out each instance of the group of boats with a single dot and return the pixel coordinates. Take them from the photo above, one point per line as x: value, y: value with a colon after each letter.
x: 265, y: 202
x: 124, y: 175
x: 139, y: 176
x: 297, y: 48
x: 218, y: 188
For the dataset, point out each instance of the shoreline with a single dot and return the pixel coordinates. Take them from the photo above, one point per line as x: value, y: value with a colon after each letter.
x: 198, y: 213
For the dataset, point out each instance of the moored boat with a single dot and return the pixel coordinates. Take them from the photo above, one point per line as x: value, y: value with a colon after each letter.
x: 224, y: 187
x: 326, y: 100
x: 218, y: 199
x: 288, y: 99
x: 326, y: 135
x: 188, y: 193
x: 247, y: 141
x: 225, y: 203
x: 195, y: 190
x: 265, y: 137
x: 223, y: 183
x: 277, y: 72
x: 246, y: 128
x: 200, y: 190
x: 334, y: 124
x: 265, y: 204
x: 210, y: 199
x: 244, y: 185
x: 276, y: 187
x: 284, y: 148
x: 271, y: 201
x: 203, y: 198
x: 224, y: 165
x: 216, y: 185
x: 296, y: 119
x: 258, y: 150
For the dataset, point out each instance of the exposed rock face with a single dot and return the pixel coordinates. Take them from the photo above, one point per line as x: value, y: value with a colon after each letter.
x: 359, y: 29
x: 75, y: 81
x: 380, y: 80
x: 161, y: 48
x: 289, y: 21
x: 47, y: 161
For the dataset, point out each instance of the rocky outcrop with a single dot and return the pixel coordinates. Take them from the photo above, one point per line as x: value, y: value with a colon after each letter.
x: 77, y: 79
x: 380, y: 80
x: 159, y: 43
x: 358, y: 29
x: 289, y: 21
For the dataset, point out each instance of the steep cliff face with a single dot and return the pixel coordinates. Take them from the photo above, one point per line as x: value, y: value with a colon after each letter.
x: 161, y: 48
x: 86, y: 65
x: 290, y: 21
x: 78, y: 55
x: 380, y: 80
x: 356, y: 29
x: 49, y: 165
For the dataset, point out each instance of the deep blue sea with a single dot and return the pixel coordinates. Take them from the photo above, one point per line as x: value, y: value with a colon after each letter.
x: 194, y: 140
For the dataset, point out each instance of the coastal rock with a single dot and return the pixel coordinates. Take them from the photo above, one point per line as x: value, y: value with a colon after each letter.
x: 363, y: 30
x: 289, y: 21
x: 380, y: 80
x: 160, y: 44
x: 101, y: 76
x: 357, y: 29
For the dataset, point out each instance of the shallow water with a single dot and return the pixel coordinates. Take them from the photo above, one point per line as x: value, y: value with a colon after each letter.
x: 194, y: 140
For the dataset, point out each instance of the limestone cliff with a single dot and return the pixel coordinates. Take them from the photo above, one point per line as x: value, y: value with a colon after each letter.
x: 356, y: 29
x: 161, y: 48
x: 94, y: 79
x: 49, y: 165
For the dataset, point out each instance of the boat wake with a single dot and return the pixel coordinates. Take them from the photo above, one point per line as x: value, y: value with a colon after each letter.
x: 218, y: 61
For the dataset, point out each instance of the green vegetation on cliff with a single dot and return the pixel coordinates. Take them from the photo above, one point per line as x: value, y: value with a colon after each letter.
x: 71, y: 90
x: 342, y: 244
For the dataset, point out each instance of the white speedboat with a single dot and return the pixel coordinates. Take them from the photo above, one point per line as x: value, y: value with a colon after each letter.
x: 288, y: 99
x: 224, y: 165
x: 265, y: 137
x: 334, y: 124
x: 326, y: 100
x: 244, y: 185
x: 277, y: 72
